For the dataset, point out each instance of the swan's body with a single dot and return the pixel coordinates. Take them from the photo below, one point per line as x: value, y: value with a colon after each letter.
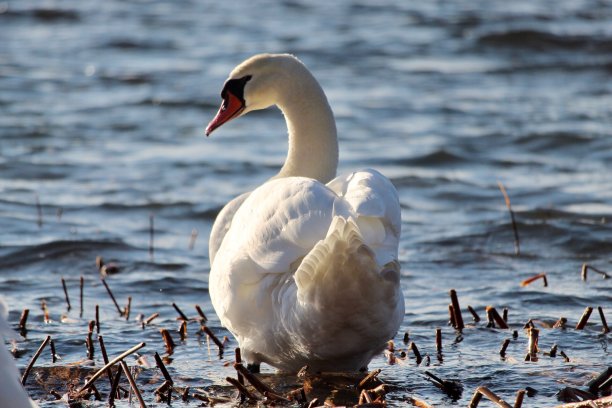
x: 304, y: 268
x: 12, y: 393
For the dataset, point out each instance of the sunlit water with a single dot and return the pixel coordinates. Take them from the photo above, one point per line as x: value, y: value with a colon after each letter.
x: 102, y: 111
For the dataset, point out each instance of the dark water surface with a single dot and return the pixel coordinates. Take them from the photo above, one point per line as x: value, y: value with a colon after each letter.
x: 102, y: 113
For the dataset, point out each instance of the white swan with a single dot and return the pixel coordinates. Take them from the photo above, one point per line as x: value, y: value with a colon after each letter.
x: 304, y: 272
x: 12, y: 393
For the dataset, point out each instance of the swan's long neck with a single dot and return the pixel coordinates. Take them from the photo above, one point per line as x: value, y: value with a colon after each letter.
x: 313, y: 143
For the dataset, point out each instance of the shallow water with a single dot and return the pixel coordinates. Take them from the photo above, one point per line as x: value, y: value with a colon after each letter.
x: 102, y: 112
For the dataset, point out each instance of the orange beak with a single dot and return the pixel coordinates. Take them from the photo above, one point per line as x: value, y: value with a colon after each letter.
x: 231, y: 107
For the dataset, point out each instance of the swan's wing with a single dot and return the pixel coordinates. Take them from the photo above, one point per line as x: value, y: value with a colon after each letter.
x: 222, y: 224
x: 375, y: 203
x: 12, y: 393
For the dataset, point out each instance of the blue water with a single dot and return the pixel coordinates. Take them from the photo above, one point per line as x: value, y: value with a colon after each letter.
x: 102, y: 113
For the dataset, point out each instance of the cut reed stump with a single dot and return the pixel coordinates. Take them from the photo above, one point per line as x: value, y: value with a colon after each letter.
x: 585, y: 318
x: 456, y: 310
x: 493, y: 316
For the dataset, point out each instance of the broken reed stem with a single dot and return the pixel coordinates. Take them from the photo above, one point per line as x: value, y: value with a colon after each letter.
x: 105, y: 358
x: 82, y: 283
x: 484, y: 391
x: 22, y: 321
x: 168, y: 340
x: 456, y: 310
x: 417, y: 402
x: 505, y: 315
x: 565, y: 357
x: 606, y: 329
x: 602, y: 378
x: 180, y: 312
x: 97, y: 319
x: 149, y: 319
x: 532, y: 348
x: 113, y: 390
x: 255, y: 382
x: 112, y: 296
x: 192, y: 239
x: 183, y: 330
x: 560, y: 324
x: 66, y: 293
x: 417, y: 353
x: 451, y: 316
x: 241, y: 388
x: 517, y: 246
x: 494, y: 316
x: 214, y: 338
x: 110, y: 364
x: 151, y: 235
x: 439, y: 340
x: 34, y: 358
x: 203, y: 318
x: 502, y: 351
x: 520, y: 395
x: 162, y: 368
x: 585, y: 318
x: 370, y: 377
x: 238, y: 356
x: 535, y: 278
x: 126, y: 370
x: 90, y: 347
x: 52, y: 346
x: 586, y: 267
x: 128, y: 308
x: 474, y: 314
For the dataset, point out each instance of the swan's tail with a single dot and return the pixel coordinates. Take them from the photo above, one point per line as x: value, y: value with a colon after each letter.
x: 341, y: 286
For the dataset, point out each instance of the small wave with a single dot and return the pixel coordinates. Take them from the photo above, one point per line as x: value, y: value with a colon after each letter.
x: 44, y: 14
x: 55, y: 250
x: 130, y: 44
x: 435, y: 158
x: 542, y: 40
x: 545, y: 142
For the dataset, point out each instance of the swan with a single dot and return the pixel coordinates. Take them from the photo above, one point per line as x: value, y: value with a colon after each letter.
x: 12, y: 393
x: 304, y: 269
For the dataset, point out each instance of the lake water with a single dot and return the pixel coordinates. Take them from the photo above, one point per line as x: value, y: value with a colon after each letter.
x: 102, y: 113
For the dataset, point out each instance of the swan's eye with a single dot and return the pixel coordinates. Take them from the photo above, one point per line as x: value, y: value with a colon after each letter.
x: 235, y: 87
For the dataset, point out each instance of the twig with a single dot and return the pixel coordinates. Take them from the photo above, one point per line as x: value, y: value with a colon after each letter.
x: 110, y: 364
x: 105, y: 358
x: 149, y: 319
x: 606, y: 329
x: 562, y: 353
x: 596, y: 382
x: 82, y: 283
x: 517, y: 247
x: 214, y: 338
x: 492, y: 313
x: 180, y: 312
x: 560, y: 324
x: 451, y: 316
x: 417, y: 353
x: 474, y: 314
x: 97, y: 319
x: 368, y: 378
x: 241, y: 388
x: 183, y: 330
x: 534, y: 278
x: 128, y: 308
x: 162, y: 367
x: 502, y: 351
x: 255, y: 382
x: 168, y: 341
x: 114, y: 386
x: 439, y: 340
x: 22, y: 322
x: 533, y: 344
x: 126, y: 370
x: 586, y: 267
x: 34, y: 358
x: 520, y: 395
x: 505, y: 314
x: 112, y: 296
x: 203, y: 318
x: 585, y: 318
x: 52, y: 346
x: 484, y: 391
x: 66, y: 293
x: 456, y: 310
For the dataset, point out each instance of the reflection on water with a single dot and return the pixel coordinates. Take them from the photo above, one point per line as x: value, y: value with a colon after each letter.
x: 103, y: 108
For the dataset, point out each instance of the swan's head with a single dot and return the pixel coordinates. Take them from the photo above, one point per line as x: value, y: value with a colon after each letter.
x: 253, y: 85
